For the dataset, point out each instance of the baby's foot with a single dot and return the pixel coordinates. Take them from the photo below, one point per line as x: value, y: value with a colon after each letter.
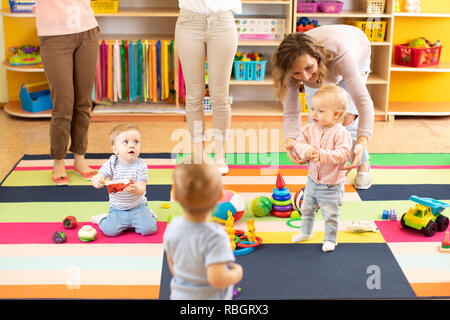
x: 328, y: 246
x: 96, y: 219
x: 300, y: 237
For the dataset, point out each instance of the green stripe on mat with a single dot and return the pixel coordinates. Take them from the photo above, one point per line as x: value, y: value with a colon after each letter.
x: 376, y: 159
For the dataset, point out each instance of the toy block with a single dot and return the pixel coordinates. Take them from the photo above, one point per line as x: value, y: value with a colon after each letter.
x: 385, y: 214
x: 393, y: 215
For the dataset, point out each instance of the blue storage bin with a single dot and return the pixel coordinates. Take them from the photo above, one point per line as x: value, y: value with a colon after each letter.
x: 24, y: 6
x: 249, y: 70
x: 35, y: 101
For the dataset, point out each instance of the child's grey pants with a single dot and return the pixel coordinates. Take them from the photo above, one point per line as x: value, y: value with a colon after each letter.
x: 329, y: 198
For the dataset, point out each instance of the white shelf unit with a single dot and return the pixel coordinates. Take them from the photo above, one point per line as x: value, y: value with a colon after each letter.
x: 418, y: 108
x: 378, y: 81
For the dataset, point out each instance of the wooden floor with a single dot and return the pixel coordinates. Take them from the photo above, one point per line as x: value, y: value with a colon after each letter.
x: 406, y: 134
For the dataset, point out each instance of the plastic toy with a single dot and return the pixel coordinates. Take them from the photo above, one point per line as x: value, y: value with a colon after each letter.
x: 281, y: 199
x: 289, y: 222
x: 25, y: 55
x: 426, y: 216
x: 117, y: 185
x: 392, y: 215
x: 169, y: 218
x: 305, y: 24
x: 385, y: 214
x: 261, y: 206
x: 165, y: 205
x: 231, y: 201
x: 87, y: 233
x: 236, y: 292
x: 230, y: 230
x: 362, y: 226
x: 22, y: 5
x: 70, y: 222
x: 412, y: 6
x: 36, y: 101
x: 298, y: 199
x: 445, y: 246
x: 246, y: 243
x: 59, y: 237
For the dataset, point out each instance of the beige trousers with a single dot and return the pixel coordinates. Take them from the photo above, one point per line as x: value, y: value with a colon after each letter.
x: 69, y: 63
x: 213, y: 36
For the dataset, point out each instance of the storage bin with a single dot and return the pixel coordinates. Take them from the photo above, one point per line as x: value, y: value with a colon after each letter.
x: 331, y: 6
x: 105, y: 6
x: 22, y: 6
x: 35, y: 101
x: 207, y: 104
x: 415, y: 57
x: 373, y: 6
x: 309, y: 7
x: 249, y: 70
x: 374, y: 30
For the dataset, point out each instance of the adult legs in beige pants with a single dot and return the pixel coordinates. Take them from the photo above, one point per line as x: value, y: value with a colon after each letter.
x: 70, y: 63
x: 214, y: 36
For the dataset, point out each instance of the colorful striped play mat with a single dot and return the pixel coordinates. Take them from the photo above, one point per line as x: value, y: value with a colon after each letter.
x: 131, y: 266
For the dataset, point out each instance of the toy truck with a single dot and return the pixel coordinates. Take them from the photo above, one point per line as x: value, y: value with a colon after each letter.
x: 426, y: 216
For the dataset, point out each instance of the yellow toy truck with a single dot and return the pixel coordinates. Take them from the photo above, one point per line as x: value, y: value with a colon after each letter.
x: 426, y: 216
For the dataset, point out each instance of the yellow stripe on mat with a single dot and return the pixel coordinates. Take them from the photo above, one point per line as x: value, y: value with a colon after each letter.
x: 343, y: 237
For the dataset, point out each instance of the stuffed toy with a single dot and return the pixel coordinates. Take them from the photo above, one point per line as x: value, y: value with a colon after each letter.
x: 412, y: 6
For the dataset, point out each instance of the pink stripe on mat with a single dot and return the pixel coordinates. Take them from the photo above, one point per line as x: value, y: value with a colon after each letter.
x: 93, y: 167
x: 393, y: 231
x: 412, y: 167
x: 42, y: 233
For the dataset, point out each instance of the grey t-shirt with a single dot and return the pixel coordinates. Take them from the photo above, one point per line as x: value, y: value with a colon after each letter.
x: 193, y: 247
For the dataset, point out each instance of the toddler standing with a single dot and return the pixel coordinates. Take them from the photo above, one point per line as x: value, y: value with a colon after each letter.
x: 326, y: 144
x: 128, y: 208
x: 198, y: 252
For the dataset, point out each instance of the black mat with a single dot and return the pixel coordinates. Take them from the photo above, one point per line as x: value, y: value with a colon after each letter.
x: 386, y: 192
x: 303, y: 271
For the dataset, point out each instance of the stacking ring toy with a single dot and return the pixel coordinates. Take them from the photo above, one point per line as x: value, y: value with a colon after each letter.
x: 281, y: 192
x: 281, y: 203
x: 242, y: 244
x: 281, y: 214
x: 242, y: 251
x: 283, y: 208
x: 291, y: 220
x: 281, y: 198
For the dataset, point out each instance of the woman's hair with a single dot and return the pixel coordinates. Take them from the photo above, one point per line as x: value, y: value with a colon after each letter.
x: 123, y: 127
x: 292, y: 47
x: 198, y: 186
x: 337, y: 96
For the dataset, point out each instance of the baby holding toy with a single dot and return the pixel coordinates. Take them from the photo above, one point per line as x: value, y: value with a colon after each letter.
x: 327, y: 145
x: 127, y: 208
x: 198, y: 252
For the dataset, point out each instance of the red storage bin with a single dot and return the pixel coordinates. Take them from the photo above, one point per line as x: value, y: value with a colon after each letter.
x: 414, y: 57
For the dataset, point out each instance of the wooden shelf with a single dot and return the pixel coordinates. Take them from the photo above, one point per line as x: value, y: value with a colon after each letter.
x: 14, y: 108
x: 7, y: 13
x: 422, y: 15
x: 443, y: 66
x: 419, y: 108
x: 142, y: 12
x: 31, y: 68
x: 343, y: 14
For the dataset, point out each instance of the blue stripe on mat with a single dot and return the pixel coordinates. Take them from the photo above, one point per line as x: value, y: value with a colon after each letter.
x: 386, y: 192
x: 101, y: 156
x: 303, y: 271
x: 72, y: 193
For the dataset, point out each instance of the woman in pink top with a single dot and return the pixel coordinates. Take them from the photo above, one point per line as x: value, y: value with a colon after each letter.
x: 68, y: 39
x: 326, y: 145
x: 328, y: 54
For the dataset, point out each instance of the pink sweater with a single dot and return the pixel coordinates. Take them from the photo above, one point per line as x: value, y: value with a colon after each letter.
x: 351, y: 49
x: 60, y: 17
x: 335, y: 145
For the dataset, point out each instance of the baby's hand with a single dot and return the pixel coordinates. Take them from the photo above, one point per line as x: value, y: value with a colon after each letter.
x: 131, y: 188
x: 98, y: 181
x: 313, y: 154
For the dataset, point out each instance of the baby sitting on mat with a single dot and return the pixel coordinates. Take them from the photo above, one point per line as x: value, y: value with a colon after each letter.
x: 127, y: 208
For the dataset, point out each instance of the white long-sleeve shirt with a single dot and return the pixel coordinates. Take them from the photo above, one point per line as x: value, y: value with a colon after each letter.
x: 211, y: 6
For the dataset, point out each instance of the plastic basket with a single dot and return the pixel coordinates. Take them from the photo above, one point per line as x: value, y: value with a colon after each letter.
x: 23, y: 6
x: 415, y: 57
x: 35, y: 101
x: 374, y: 30
x: 373, y: 6
x: 308, y: 7
x: 105, y: 6
x: 331, y: 6
x: 249, y: 70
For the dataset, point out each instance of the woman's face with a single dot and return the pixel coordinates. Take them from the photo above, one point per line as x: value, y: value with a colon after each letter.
x: 305, y: 68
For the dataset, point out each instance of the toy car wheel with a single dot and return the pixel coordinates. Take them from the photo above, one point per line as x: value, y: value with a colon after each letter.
x: 430, y: 229
x: 442, y: 223
x: 402, y: 222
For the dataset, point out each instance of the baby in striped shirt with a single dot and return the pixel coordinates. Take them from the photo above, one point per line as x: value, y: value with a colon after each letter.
x: 327, y: 145
x: 127, y: 208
